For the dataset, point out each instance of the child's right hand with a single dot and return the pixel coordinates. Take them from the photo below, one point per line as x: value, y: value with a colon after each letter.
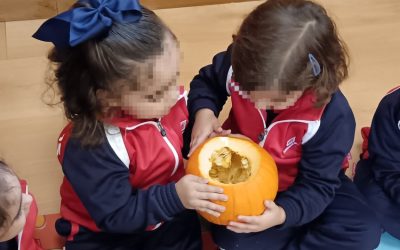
x: 206, y: 125
x: 195, y: 193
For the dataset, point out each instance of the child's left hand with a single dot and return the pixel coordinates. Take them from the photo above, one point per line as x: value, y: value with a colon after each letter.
x: 273, y: 215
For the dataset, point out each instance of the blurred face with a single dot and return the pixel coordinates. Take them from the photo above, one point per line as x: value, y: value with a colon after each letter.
x: 274, y: 99
x: 158, y: 85
x: 17, y: 209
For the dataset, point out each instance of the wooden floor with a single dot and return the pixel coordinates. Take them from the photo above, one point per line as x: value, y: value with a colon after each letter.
x: 18, y: 10
x: 29, y: 129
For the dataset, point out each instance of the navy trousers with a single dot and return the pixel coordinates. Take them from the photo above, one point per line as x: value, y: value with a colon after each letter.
x: 387, y: 211
x: 182, y: 233
x: 347, y: 224
x: 9, y: 245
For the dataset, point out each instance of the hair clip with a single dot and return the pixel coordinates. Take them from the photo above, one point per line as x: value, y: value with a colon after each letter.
x: 316, y: 67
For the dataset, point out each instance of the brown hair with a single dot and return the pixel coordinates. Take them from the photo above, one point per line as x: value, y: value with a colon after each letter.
x: 80, y: 71
x: 271, y: 49
x: 4, y: 193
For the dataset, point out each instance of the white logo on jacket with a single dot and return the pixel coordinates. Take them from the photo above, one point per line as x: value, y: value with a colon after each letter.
x: 398, y: 125
x: 290, y: 143
x: 183, y: 125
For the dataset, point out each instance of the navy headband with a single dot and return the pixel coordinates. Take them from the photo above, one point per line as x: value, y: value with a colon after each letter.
x: 81, y: 24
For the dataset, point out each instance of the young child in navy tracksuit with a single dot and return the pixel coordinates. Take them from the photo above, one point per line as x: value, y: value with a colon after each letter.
x: 378, y: 171
x: 282, y: 73
x: 18, y: 212
x: 116, y: 68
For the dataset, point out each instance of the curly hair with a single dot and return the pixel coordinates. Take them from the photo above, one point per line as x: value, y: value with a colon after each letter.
x: 77, y: 73
x: 272, y: 46
x: 4, y: 193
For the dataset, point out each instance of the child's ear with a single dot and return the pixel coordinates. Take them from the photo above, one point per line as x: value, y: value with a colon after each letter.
x: 106, y: 99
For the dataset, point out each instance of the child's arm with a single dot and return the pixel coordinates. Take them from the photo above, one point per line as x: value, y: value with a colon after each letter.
x: 208, y: 94
x: 323, y: 155
x: 102, y: 183
x: 384, y: 146
x: 208, y: 88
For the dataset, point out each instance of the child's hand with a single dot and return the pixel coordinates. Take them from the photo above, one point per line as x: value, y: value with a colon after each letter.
x: 195, y: 193
x: 273, y: 215
x: 206, y: 125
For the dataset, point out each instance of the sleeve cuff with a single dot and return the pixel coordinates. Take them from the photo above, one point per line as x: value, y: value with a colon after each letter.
x: 172, y: 203
x: 204, y: 103
x: 291, y: 211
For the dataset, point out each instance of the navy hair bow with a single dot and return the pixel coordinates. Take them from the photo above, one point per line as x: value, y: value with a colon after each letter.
x: 81, y: 24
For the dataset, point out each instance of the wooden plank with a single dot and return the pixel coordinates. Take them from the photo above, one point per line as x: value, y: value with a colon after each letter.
x: 162, y: 4
x: 21, y: 87
x: 63, y: 5
x: 13, y: 10
x: 30, y: 149
x: 3, y: 41
x: 20, y: 43
x: 29, y: 129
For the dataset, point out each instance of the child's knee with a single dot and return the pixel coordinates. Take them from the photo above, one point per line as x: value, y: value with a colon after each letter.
x: 368, y: 231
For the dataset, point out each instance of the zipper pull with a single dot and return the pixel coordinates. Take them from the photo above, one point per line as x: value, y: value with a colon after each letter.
x: 261, y: 137
x: 264, y: 134
x: 162, y: 130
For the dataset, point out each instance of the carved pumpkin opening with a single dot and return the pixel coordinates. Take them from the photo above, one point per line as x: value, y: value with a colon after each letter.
x: 229, y: 167
x: 245, y: 171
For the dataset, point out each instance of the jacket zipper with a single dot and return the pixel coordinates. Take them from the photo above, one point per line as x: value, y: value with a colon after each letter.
x: 163, y: 133
x: 268, y: 130
x: 262, y: 137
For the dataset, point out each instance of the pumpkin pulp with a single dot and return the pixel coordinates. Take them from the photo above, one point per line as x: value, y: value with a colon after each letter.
x: 229, y: 167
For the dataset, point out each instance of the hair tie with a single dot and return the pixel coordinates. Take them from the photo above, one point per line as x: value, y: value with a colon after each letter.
x: 316, y: 67
x: 81, y: 24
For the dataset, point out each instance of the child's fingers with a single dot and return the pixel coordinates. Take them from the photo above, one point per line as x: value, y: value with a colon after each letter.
x: 270, y: 204
x: 202, y: 204
x: 213, y: 134
x: 213, y: 213
x: 196, y: 141
x: 225, y: 132
x: 217, y: 128
x: 197, y: 179
x: 221, y: 132
x: 209, y: 189
x: 212, y: 196
x: 249, y: 219
x: 242, y: 227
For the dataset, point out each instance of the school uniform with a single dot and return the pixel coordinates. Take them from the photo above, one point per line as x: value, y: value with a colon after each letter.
x: 378, y: 171
x: 309, y: 144
x: 121, y: 194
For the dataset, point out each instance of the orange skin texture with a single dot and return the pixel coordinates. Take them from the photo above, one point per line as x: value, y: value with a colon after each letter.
x: 245, y: 198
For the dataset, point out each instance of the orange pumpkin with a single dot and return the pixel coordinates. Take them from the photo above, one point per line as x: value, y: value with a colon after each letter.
x: 245, y: 171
